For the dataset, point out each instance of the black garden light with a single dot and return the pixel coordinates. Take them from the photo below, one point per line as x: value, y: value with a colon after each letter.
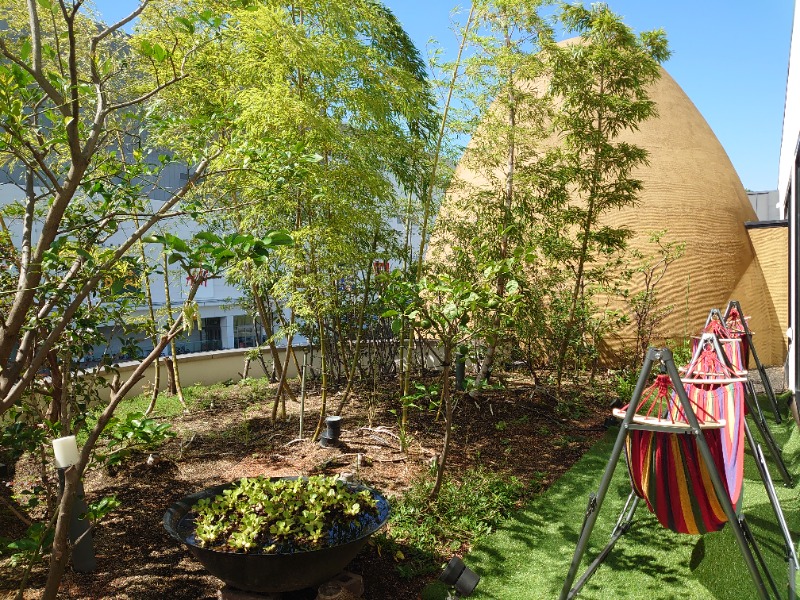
x: 460, y: 577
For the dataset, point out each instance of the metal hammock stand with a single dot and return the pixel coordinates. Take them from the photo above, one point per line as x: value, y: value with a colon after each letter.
x: 733, y: 326
x: 753, y: 558
x: 736, y: 322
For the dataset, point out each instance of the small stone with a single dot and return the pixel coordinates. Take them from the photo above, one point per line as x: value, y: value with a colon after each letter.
x: 351, y: 582
x: 333, y: 590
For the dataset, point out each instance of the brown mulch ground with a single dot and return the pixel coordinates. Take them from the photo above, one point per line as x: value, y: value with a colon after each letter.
x: 520, y: 431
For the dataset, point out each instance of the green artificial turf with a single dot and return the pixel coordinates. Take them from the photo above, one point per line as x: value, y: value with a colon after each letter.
x: 530, y: 555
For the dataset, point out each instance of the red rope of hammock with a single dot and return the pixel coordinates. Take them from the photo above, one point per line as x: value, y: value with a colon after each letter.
x: 657, y: 399
x: 718, y: 327
x: 708, y: 364
x: 735, y: 322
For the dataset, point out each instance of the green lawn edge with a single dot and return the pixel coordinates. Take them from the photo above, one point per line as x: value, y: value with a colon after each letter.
x: 528, y: 557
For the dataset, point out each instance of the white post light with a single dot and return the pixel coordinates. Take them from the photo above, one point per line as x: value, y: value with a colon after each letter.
x: 66, y: 451
x: 67, y: 455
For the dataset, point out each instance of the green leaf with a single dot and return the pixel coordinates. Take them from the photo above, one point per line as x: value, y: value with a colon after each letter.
x: 208, y: 236
x: 25, y: 50
x: 278, y: 238
x: 187, y: 24
x: 397, y: 326
x: 159, y: 54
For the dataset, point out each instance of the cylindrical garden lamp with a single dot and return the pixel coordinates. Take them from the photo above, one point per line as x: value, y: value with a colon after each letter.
x: 67, y: 455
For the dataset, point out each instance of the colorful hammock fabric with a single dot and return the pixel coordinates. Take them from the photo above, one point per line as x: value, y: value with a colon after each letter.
x: 733, y: 341
x: 667, y: 469
x: 736, y: 326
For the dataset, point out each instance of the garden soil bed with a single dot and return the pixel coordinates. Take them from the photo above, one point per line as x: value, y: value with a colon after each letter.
x: 520, y: 431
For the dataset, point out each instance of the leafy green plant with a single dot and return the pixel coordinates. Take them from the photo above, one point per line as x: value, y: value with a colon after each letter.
x: 681, y: 351
x: 37, y: 538
x: 97, y: 510
x: 134, y: 432
x: 462, y: 513
x: 476, y: 384
x: 19, y: 437
x: 625, y: 383
x: 283, y: 515
x: 427, y: 393
x: 646, y: 308
x: 425, y: 398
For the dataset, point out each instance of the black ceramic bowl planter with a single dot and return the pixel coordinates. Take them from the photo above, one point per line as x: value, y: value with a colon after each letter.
x: 272, y: 572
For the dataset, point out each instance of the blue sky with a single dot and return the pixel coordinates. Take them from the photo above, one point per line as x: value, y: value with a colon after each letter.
x: 730, y: 57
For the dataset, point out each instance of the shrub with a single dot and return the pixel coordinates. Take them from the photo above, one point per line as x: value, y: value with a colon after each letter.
x: 463, y: 512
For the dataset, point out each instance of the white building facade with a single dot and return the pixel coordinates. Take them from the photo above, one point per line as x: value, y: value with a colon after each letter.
x: 788, y: 192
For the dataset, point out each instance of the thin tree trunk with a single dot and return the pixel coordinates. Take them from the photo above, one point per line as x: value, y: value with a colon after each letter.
x: 65, y: 408
x: 587, y: 226
x: 60, y: 552
x: 282, y: 384
x: 148, y: 292
x: 176, y: 377
x: 170, y: 364
x: 359, y: 328
x: 55, y: 376
x: 276, y: 359
x: 508, y: 197
x: 448, y: 420
x: 428, y: 196
x: 324, y: 380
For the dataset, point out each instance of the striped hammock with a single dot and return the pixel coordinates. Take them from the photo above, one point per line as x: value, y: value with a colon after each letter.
x: 736, y: 326
x: 667, y: 469
x: 731, y: 337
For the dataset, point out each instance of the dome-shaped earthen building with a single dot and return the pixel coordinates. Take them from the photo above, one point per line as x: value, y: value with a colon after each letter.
x: 691, y: 189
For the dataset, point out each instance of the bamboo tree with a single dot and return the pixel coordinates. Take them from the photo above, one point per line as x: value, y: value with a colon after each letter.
x: 151, y: 313
x: 362, y: 311
x: 263, y: 313
x: 428, y: 196
x: 339, y: 81
x: 502, y: 93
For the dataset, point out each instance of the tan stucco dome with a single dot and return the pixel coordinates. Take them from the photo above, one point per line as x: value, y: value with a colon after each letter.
x: 692, y: 190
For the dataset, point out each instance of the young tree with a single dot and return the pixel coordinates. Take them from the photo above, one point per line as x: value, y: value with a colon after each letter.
x: 647, y: 271
x: 599, y: 85
x: 340, y: 82
x: 504, y: 84
x: 448, y: 308
x: 66, y: 91
x: 72, y: 88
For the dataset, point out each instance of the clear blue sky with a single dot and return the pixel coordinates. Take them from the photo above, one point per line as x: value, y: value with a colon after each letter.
x: 730, y: 57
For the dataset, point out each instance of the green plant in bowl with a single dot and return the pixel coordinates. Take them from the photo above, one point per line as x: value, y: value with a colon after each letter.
x: 282, y: 515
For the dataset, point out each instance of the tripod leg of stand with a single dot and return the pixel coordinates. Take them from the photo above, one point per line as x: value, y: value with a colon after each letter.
x: 766, y: 435
x: 765, y: 380
x: 623, y: 525
x: 596, y: 500
x: 759, y: 557
x: 769, y: 486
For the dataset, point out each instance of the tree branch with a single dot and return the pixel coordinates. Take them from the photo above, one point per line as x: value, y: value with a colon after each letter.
x: 9, y: 397
x: 116, y: 26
